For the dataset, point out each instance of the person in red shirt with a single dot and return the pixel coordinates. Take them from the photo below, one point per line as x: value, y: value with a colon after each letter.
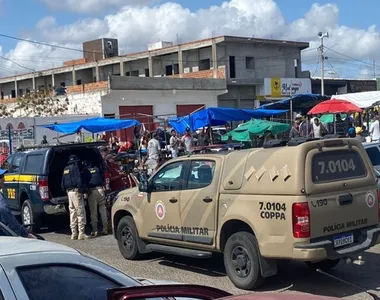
x: 116, y: 176
x: 125, y: 147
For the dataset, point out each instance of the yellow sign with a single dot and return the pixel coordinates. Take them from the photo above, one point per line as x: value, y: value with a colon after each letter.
x: 275, y: 87
x: 11, y: 193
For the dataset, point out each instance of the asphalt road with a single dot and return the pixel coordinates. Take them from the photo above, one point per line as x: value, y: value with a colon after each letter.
x: 292, y: 276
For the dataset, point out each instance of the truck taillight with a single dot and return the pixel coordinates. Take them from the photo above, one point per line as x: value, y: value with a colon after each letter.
x: 378, y: 205
x: 44, y: 189
x: 301, y: 220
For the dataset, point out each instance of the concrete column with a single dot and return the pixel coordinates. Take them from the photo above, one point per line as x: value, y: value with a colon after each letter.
x: 52, y: 80
x: 34, y: 82
x: 180, y: 61
x: 122, y: 73
x: 16, y: 89
x: 214, y: 59
x: 150, y: 65
x: 97, y: 76
x: 74, y: 76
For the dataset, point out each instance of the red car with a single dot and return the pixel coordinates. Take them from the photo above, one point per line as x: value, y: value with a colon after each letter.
x: 199, y: 292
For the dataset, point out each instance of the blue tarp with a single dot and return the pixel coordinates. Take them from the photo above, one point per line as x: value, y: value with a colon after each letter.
x: 214, y: 116
x: 301, y: 103
x: 93, y: 125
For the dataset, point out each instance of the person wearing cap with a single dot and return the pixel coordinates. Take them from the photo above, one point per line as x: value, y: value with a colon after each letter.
x: 359, y: 132
x: 6, y: 216
x: 74, y: 183
x: 174, y: 143
x: 96, y: 198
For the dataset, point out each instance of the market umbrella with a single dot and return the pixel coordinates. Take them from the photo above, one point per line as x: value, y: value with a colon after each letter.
x: 334, y: 106
x: 254, y: 127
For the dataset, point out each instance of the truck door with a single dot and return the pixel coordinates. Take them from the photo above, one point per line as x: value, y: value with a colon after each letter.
x: 160, y: 217
x: 199, y: 200
x: 11, y: 183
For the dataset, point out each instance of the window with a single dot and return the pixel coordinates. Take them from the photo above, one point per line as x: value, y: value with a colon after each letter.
x: 232, y: 67
x: 201, y: 174
x: 176, y: 68
x: 33, y: 164
x: 13, y: 93
x: 204, y: 64
x: 169, y: 178
x: 64, y: 282
x: 16, y: 162
x: 79, y: 81
x: 135, y: 73
x: 337, y: 165
x: 374, y: 155
x: 127, y: 73
x: 6, y: 164
x: 169, y: 70
x: 146, y: 72
x: 250, y: 63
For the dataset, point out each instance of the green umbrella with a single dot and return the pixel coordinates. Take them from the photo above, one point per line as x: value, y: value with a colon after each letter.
x: 244, y: 132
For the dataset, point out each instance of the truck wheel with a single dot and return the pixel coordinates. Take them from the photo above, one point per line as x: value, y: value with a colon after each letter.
x: 29, y: 217
x: 242, y: 261
x: 324, y: 265
x: 127, y: 238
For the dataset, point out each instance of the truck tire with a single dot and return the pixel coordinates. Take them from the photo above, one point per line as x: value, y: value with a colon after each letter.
x: 242, y: 261
x: 127, y: 238
x: 28, y: 216
x: 324, y: 265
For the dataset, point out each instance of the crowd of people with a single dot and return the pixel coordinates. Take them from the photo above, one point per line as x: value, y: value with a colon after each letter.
x: 311, y: 127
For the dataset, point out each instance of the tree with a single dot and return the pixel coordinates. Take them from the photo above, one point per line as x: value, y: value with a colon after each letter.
x: 41, y: 103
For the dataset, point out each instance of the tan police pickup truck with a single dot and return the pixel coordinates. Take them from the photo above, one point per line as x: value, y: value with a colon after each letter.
x: 315, y: 202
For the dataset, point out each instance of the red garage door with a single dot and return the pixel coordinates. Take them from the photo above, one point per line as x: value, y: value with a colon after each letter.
x: 143, y: 114
x: 183, y: 110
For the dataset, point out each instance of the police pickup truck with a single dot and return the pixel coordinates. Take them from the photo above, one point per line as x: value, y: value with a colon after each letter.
x: 314, y: 201
x: 32, y: 185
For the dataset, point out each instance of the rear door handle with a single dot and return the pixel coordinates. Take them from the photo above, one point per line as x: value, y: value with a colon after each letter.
x: 207, y: 200
x: 173, y: 200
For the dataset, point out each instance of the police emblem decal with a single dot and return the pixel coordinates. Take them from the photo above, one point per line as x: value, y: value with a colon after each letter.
x: 370, y: 199
x: 160, y: 210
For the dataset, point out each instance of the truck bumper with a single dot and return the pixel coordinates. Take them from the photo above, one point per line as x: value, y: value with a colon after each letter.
x: 325, y: 249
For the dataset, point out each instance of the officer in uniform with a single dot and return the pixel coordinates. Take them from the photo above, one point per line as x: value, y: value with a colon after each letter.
x: 96, y: 198
x: 74, y: 183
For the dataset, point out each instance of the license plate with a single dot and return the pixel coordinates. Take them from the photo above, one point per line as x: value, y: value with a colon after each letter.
x: 343, y: 240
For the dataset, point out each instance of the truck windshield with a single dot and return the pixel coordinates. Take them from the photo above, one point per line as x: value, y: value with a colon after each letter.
x: 337, y: 165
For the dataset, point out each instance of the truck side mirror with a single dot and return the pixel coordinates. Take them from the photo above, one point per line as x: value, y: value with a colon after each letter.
x: 144, y: 185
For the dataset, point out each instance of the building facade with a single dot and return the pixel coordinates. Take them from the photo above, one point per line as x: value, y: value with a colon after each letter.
x: 338, y: 86
x: 243, y: 63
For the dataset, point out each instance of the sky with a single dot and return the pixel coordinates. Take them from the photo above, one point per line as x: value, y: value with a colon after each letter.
x: 352, y: 49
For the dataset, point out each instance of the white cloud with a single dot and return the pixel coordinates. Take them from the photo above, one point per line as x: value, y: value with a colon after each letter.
x: 90, y: 6
x: 135, y: 26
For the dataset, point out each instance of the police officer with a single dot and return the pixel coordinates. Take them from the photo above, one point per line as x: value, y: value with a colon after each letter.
x: 97, y: 198
x: 74, y: 184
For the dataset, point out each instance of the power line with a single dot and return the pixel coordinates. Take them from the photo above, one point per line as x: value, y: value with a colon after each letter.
x: 352, y: 58
x: 92, y: 52
x: 21, y: 66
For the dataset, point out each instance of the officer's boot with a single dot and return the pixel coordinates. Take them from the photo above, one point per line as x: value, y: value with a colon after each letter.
x: 94, y: 232
x: 83, y: 236
x: 74, y: 235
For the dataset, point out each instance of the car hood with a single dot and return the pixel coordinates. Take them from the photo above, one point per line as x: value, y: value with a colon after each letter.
x: 145, y: 281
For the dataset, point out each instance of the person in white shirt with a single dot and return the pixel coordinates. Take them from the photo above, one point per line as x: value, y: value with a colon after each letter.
x: 78, y: 137
x: 154, y: 151
x: 318, y: 129
x: 187, y: 139
x: 174, y: 143
x: 374, y: 129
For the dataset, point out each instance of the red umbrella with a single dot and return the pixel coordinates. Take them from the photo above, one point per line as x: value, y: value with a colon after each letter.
x: 334, y: 106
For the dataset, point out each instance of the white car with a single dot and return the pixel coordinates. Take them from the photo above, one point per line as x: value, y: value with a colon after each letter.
x: 39, y: 270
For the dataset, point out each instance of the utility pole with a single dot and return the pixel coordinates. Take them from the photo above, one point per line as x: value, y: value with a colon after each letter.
x: 321, y: 36
x: 374, y: 69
